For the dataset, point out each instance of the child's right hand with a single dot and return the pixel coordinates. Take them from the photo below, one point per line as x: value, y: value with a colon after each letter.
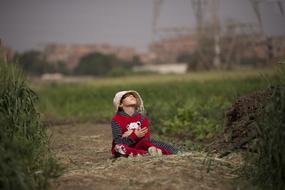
x: 127, y: 133
x: 140, y: 132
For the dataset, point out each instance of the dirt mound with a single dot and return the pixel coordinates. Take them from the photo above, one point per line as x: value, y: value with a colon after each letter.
x: 240, y: 122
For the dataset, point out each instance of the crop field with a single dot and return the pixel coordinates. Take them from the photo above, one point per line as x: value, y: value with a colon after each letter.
x: 188, y: 111
x: 186, y: 106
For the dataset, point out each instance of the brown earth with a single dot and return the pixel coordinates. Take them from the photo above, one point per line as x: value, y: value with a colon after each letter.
x: 84, y: 150
x: 240, y: 123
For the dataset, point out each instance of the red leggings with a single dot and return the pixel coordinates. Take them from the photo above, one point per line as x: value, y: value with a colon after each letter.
x: 140, y: 148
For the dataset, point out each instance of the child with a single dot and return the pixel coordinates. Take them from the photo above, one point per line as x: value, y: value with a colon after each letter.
x: 130, y: 130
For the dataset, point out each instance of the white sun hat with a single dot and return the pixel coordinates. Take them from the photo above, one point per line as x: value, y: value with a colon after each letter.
x: 120, y: 94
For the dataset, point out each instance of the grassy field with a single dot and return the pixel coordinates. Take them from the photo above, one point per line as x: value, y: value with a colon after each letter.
x: 185, y: 109
x: 188, y: 106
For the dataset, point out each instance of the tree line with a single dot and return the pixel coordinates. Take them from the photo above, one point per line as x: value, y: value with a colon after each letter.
x: 94, y: 64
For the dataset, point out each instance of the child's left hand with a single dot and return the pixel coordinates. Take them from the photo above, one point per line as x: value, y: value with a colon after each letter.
x: 127, y: 133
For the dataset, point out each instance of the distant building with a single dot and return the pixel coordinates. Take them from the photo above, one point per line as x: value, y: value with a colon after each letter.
x: 72, y: 53
x: 234, y: 48
x: 277, y: 45
x: 52, y: 76
x: 175, y: 68
x: 147, y: 57
x: 253, y: 46
x: 168, y: 50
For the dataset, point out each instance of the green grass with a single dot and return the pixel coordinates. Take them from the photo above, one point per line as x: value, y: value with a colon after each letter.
x: 25, y: 160
x: 188, y: 106
x: 266, y: 167
x: 183, y: 107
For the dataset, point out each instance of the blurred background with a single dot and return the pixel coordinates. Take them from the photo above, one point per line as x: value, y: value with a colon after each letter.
x: 195, y: 56
x: 98, y: 38
x: 77, y: 55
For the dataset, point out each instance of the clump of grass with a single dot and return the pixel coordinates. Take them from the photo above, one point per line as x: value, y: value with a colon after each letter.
x: 198, y: 120
x: 267, y: 168
x: 25, y: 160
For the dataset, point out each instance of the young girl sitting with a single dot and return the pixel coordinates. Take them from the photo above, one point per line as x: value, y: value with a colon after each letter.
x: 130, y: 128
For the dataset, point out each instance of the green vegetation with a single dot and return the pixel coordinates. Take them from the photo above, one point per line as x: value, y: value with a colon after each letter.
x: 34, y: 63
x: 25, y: 160
x: 98, y: 64
x: 187, y: 106
x: 266, y: 168
x: 190, y: 108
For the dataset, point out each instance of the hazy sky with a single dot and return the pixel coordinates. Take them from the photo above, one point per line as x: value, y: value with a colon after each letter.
x: 27, y: 24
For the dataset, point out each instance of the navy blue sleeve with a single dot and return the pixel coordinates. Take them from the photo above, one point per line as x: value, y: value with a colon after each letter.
x: 117, y: 135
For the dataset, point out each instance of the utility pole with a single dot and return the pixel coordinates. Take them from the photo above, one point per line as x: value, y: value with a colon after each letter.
x: 199, y: 9
x: 267, y: 39
x: 255, y: 6
x: 156, y: 13
x: 216, y: 31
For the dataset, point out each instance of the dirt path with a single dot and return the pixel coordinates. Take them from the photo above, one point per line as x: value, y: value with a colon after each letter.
x: 84, y: 149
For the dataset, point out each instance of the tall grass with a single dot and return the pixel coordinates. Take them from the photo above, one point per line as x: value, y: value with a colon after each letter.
x: 267, y: 169
x: 25, y: 160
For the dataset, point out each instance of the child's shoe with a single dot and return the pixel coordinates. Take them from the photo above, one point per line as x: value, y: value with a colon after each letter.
x: 152, y: 151
x: 159, y: 152
x: 120, y: 149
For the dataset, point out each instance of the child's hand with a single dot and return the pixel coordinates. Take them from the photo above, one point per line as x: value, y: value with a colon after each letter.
x: 127, y: 133
x: 140, y: 132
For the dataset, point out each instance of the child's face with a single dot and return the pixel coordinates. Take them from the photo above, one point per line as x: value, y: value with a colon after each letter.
x: 129, y: 100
